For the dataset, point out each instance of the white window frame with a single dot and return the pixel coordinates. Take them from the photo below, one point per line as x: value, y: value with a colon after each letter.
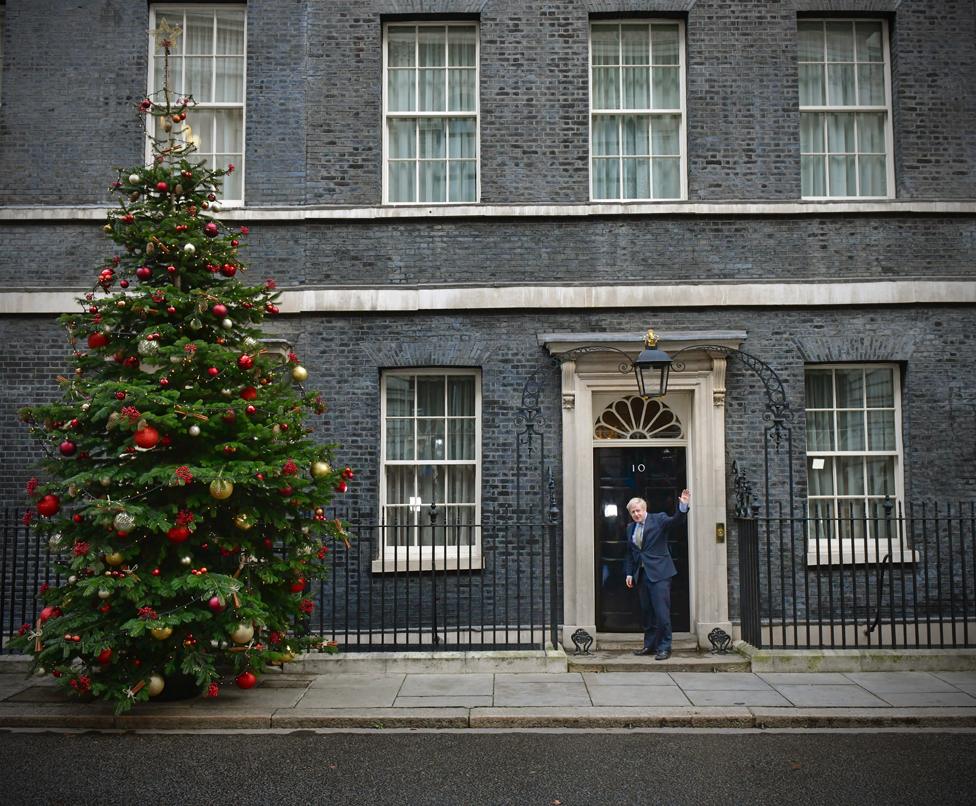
x: 848, y: 550
x: 387, y: 114
x: 174, y: 8
x: 423, y: 558
x: 680, y: 111
x: 854, y: 109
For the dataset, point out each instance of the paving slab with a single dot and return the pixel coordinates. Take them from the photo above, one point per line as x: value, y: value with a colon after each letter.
x: 884, y: 682
x: 830, y: 696
x: 863, y: 717
x: 444, y: 702
x: 565, y: 677
x: 720, y: 682
x: 534, y: 694
x: 264, y: 697
x: 371, y: 718
x: 922, y: 699
x: 804, y: 678
x: 627, y: 679
x: 377, y: 692
x: 606, y: 717
x: 745, y: 697
x: 355, y: 680
x: 964, y: 681
x: 428, y: 685
x: 637, y: 695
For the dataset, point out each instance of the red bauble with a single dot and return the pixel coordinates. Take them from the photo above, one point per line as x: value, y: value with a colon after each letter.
x: 68, y: 448
x: 105, y: 656
x: 285, y: 491
x: 164, y: 382
x: 246, y: 680
x: 76, y: 518
x: 123, y: 283
x: 298, y: 585
x: 249, y: 393
x: 48, y: 505
x: 48, y: 612
x: 147, y: 437
x: 252, y: 410
x: 155, y: 572
x: 171, y: 310
x: 210, y: 230
x: 219, y: 310
x: 216, y: 604
x: 341, y: 487
x: 213, y: 372
x: 348, y: 473
x: 245, y: 361
x: 96, y: 340
x: 120, y: 395
x: 178, y: 534
x: 143, y: 272
x: 228, y: 270
x: 162, y: 187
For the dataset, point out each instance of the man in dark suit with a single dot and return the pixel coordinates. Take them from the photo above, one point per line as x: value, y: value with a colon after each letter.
x: 648, y: 564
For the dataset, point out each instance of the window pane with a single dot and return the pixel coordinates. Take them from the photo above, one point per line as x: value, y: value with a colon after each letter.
x: 461, y: 89
x: 850, y: 388
x: 870, y: 41
x: 403, y: 181
x: 812, y: 85
x: 637, y: 179
x: 810, y: 41
x: 843, y: 176
x: 401, y: 92
x: 230, y: 80
x: 811, y: 132
x: 431, y: 90
x: 400, y: 46
x: 850, y: 430
x: 850, y: 475
x: 399, y: 396
x: 822, y: 524
x: 232, y: 187
x: 230, y: 33
x: 851, y: 514
x: 402, y: 137
x: 879, y: 385
x: 813, y: 182
x: 818, y: 389
x: 460, y: 487
x: 430, y: 438
x: 399, y: 484
x: 664, y: 44
x: 881, y: 430
x: 460, y: 396
x: 870, y: 84
x: 461, y: 138
x: 665, y: 131
x: 175, y: 72
x: 399, y: 439
x: 606, y: 178
x: 881, y: 475
x: 433, y: 181
x: 605, y: 131
x: 840, y: 84
x: 636, y: 90
x: 430, y: 485
x: 636, y: 135
x: 229, y: 132
x: 840, y: 41
x: 430, y: 395
x: 667, y: 180
x: 199, y: 129
x: 821, y: 482
x: 462, y: 46
x: 870, y: 133
x: 874, y: 180
x: 461, y: 435
x: 431, y: 49
x: 604, y: 44
x: 198, y: 34
x: 463, y: 180
x: 820, y: 431
x: 666, y: 85
x: 606, y: 93
x: 433, y: 140
x: 397, y: 521
x: 634, y: 44
x: 199, y: 78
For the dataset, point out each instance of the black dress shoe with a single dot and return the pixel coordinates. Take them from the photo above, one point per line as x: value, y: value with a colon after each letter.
x: 645, y: 651
x: 663, y: 654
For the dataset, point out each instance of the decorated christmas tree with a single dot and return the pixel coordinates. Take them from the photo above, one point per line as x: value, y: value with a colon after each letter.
x: 183, y: 493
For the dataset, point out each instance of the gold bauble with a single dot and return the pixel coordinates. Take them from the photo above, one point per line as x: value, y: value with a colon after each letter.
x: 242, y: 634
x: 155, y: 685
x: 161, y: 633
x: 221, y: 489
x: 299, y: 373
x: 114, y: 559
x: 321, y: 468
x: 241, y: 521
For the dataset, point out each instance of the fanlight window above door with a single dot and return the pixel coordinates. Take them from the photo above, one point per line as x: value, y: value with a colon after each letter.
x: 634, y: 417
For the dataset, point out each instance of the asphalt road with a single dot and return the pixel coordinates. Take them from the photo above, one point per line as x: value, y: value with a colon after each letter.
x: 549, y: 769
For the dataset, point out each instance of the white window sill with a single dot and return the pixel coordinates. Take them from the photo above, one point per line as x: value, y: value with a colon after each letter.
x: 856, y: 555
x: 414, y: 564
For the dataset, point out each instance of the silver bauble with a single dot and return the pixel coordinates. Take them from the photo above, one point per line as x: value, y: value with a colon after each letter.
x: 148, y: 347
x: 124, y: 522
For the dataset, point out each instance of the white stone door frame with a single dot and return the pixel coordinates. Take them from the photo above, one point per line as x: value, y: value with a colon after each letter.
x: 703, y: 377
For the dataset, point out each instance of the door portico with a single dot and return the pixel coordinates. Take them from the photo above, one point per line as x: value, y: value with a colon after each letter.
x: 698, y: 391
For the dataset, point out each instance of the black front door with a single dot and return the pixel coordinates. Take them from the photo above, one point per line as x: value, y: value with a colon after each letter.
x: 658, y: 476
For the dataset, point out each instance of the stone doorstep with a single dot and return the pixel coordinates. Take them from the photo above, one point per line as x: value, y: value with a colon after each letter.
x: 678, y: 662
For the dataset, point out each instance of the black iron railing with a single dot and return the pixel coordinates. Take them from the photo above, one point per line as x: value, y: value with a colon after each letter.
x: 428, y: 586
x: 905, y: 577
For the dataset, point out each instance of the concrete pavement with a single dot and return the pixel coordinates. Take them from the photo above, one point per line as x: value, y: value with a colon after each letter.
x: 388, y: 699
